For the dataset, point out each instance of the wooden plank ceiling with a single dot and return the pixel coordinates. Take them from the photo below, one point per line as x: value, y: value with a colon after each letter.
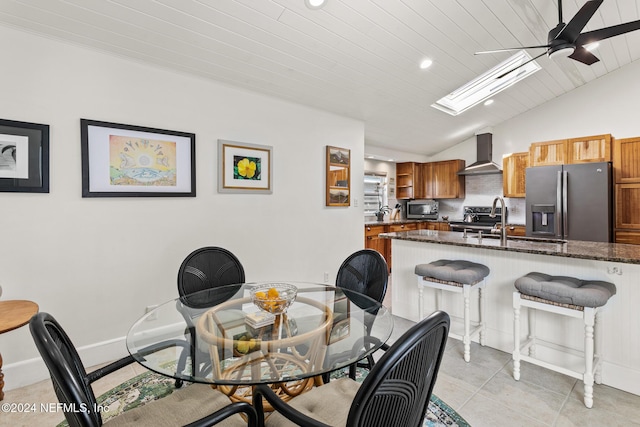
x: 357, y: 58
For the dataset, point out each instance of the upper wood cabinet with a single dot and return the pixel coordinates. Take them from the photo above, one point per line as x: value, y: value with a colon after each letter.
x: 445, y: 181
x: 585, y: 149
x: 514, y: 168
x: 626, y: 160
x: 589, y: 149
x: 548, y: 153
x: 435, y: 180
x: 405, y: 177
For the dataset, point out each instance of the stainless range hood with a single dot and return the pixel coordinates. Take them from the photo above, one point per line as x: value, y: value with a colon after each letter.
x: 484, y: 165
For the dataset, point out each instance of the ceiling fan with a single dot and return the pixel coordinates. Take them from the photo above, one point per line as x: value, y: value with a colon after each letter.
x: 567, y: 40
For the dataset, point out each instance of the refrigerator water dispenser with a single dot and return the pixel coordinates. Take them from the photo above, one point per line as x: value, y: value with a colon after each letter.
x: 543, y: 219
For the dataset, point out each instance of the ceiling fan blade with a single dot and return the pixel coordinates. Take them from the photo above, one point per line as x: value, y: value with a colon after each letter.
x: 571, y: 31
x: 605, y: 33
x: 506, y: 49
x: 583, y: 55
x: 521, y: 65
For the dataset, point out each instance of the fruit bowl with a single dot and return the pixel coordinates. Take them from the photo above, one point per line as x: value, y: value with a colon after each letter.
x: 274, y: 297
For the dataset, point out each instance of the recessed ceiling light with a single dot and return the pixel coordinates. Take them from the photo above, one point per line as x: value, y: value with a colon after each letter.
x: 314, y: 4
x: 591, y: 46
x: 483, y: 87
x: 488, y: 102
x: 390, y: 160
x: 426, y: 63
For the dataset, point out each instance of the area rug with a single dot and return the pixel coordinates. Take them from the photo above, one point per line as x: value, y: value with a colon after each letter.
x: 150, y: 386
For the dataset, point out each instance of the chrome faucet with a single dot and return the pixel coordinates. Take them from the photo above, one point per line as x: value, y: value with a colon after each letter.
x: 503, y: 226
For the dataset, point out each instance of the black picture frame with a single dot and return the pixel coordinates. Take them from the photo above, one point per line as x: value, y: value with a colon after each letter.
x: 121, y: 160
x: 24, y: 157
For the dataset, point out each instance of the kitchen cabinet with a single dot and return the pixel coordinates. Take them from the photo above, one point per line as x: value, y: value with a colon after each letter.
x: 584, y: 149
x: 628, y: 206
x: 403, y: 227
x: 548, y: 153
x: 514, y: 168
x: 445, y: 181
x: 432, y: 180
x: 440, y: 180
x: 428, y: 225
x: 405, y: 175
x: 516, y: 230
x: 423, y: 188
x: 372, y: 241
x: 629, y: 237
x: 589, y: 149
x: 626, y: 167
x: 626, y: 160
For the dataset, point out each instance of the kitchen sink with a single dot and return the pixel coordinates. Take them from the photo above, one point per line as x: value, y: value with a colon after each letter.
x: 521, y: 238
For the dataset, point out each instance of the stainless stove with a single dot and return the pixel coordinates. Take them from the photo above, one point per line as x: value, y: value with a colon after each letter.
x: 480, y: 219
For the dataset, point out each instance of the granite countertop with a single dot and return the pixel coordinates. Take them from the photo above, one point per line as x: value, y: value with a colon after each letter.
x: 399, y: 221
x: 614, y: 252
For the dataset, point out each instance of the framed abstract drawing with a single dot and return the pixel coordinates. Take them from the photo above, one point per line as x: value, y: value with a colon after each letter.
x: 244, y: 167
x: 121, y: 160
x: 24, y: 157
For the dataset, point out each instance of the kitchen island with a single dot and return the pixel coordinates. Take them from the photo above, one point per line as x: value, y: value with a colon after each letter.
x: 617, y: 263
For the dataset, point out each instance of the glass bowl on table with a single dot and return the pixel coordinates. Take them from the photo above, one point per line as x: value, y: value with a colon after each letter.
x: 274, y: 298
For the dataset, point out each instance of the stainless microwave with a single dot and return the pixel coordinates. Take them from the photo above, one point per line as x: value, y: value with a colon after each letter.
x: 422, y: 209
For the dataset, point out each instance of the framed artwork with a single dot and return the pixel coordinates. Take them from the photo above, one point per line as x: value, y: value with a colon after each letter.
x: 24, y: 157
x: 244, y: 167
x: 338, y: 176
x: 121, y: 160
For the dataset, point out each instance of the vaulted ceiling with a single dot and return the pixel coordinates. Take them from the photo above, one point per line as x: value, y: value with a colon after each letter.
x: 357, y: 58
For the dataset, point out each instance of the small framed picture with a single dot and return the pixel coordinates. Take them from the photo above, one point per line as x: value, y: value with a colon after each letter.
x: 244, y: 167
x: 24, y: 157
x: 121, y: 160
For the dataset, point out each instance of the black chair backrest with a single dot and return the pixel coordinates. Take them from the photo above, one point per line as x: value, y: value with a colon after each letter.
x: 397, y: 390
x: 208, y: 268
x: 67, y: 372
x: 364, y: 271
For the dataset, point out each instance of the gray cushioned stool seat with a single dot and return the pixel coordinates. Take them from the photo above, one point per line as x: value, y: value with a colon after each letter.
x: 566, y: 290
x: 459, y: 271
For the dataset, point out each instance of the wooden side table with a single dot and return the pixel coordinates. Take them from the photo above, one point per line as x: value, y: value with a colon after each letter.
x: 14, y: 314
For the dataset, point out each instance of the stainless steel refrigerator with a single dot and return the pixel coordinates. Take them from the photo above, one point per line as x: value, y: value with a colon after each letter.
x: 573, y: 202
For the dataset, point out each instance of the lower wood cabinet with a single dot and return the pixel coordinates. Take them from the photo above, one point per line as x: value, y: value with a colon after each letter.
x: 629, y: 237
x: 516, y: 230
x: 373, y: 241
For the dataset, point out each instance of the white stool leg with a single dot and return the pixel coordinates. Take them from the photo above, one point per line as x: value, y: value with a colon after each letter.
x: 598, y: 347
x: 481, y: 307
x: 589, y: 320
x: 420, y: 299
x: 532, y: 331
x: 466, y: 339
x: 516, y: 336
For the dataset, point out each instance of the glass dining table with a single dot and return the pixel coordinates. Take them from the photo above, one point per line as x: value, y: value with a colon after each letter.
x: 221, y: 337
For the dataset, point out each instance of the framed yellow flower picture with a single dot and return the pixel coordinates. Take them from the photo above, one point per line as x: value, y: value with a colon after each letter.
x: 244, y: 167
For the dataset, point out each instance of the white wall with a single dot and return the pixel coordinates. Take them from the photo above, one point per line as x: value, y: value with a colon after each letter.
x: 96, y: 263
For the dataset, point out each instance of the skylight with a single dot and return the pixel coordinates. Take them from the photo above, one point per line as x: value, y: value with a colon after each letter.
x: 488, y: 84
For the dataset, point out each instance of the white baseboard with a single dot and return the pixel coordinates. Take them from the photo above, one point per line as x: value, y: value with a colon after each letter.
x: 31, y: 371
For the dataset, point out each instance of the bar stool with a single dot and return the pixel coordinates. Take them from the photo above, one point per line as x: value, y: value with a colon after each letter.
x: 457, y: 276
x: 567, y: 296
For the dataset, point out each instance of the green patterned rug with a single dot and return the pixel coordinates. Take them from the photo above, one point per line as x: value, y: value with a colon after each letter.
x: 150, y: 386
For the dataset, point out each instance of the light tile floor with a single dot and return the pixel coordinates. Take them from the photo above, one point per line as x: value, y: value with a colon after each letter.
x: 482, y: 391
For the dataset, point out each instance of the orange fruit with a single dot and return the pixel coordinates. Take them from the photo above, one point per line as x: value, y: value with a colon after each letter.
x: 273, y: 293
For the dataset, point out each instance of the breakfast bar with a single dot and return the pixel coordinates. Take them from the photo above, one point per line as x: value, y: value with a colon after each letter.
x: 617, y: 263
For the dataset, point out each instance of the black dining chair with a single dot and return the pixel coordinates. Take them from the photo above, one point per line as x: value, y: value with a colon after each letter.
x: 195, y: 406
x: 364, y: 272
x: 395, y: 393
x: 207, y: 268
